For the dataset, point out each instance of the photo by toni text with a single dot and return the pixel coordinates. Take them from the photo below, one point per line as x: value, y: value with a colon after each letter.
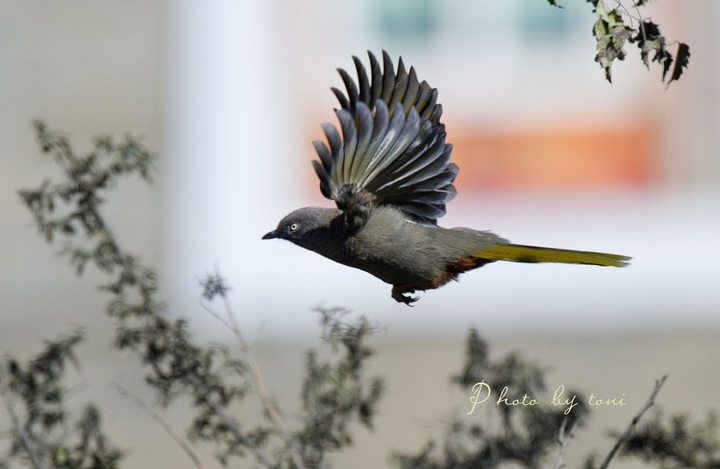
x: 481, y: 392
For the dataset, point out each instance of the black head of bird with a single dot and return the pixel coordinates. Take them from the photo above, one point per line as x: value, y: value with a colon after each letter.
x: 389, y: 172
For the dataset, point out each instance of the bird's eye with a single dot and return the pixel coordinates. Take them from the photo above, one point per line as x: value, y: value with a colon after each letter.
x: 294, y: 227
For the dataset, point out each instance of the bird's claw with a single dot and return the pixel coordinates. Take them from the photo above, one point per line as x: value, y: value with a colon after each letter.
x: 398, y: 294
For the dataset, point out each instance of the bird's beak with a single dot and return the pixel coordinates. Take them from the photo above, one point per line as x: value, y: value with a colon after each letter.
x: 272, y: 235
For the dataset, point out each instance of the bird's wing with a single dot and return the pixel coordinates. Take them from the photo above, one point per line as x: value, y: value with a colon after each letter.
x: 391, y: 142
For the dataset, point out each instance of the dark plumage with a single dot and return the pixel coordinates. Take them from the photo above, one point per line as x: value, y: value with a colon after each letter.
x: 390, y: 176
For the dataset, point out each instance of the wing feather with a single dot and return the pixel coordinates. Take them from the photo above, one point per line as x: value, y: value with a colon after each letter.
x: 390, y: 141
x: 388, y: 82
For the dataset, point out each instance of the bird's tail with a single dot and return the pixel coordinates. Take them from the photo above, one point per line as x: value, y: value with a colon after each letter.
x: 521, y: 253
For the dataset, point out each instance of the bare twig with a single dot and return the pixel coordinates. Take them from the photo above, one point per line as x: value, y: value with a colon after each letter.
x: 124, y: 392
x: 628, y: 431
x: 564, y: 440
x: 260, y: 388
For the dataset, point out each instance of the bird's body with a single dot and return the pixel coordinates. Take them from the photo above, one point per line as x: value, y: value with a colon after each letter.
x: 422, y: 263
x: 390, y: 176
x: 429, y: 256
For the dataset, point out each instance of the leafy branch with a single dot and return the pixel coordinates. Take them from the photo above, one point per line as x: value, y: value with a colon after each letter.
x: 42, y: 435
x: 334, y: 393
x: 526, y: 433
x: 615, y: 27
x: 177, y: 365
x: 676, y: 441
x: 672, y: 442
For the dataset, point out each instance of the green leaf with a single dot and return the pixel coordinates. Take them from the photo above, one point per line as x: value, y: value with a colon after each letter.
x: 611, y: 35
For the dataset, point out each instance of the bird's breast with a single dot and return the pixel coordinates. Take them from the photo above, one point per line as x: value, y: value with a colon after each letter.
x: 396, y: 250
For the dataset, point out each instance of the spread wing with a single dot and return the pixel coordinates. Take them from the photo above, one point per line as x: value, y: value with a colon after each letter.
x: 391, y: 142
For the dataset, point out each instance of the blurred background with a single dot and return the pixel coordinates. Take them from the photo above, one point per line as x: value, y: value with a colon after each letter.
x: 231, y: 94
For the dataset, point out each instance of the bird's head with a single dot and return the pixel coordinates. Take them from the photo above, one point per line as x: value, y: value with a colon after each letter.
x: 304, y: 226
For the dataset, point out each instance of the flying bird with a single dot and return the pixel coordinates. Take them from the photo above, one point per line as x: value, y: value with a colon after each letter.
x: 388, y: 170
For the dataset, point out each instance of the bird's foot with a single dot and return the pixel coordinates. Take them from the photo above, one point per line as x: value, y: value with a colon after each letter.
x: 399, y: 296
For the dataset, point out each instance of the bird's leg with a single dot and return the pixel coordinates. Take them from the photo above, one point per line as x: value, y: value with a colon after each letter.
x: 397, y: 294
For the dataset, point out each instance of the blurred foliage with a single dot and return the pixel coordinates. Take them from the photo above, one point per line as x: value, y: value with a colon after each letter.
x: 675, y: 442
x: 532, y: 436
x: 335, y: 393
x: 42, y: 435
x: 528, y: 432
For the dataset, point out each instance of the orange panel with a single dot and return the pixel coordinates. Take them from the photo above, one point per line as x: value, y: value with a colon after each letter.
x: 557, y: 157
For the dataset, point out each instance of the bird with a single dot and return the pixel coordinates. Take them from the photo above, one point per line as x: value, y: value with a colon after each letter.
x: 388, y: 170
